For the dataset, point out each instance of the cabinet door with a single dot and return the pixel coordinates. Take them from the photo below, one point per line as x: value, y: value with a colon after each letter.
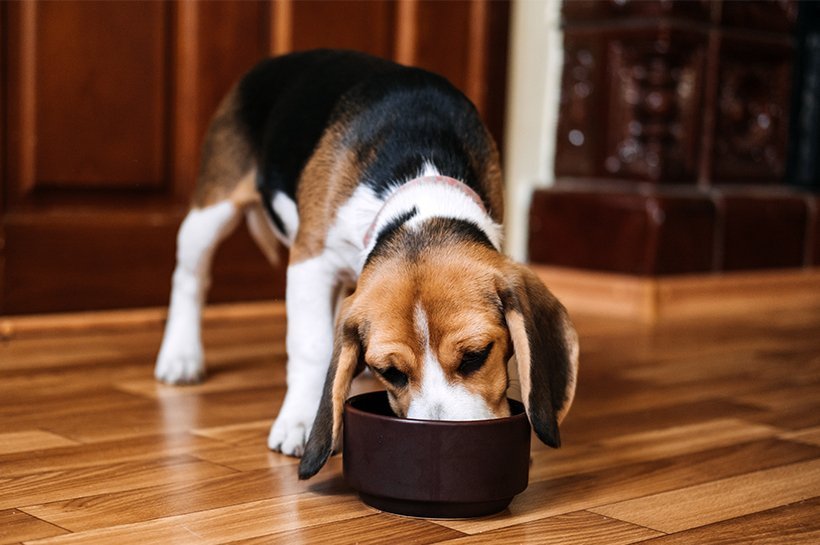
x: 105, y: 105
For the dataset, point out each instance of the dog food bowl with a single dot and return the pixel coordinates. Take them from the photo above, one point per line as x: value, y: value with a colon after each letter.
x: 434, y: 468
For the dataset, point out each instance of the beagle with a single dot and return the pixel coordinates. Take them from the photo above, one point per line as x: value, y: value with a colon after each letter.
x: 386, y: 186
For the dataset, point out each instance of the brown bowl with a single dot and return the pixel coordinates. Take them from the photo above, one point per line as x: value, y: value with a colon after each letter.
x: 434, y: 468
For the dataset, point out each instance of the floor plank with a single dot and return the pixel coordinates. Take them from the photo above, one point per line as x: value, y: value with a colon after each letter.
x: 235, y: 522
x: 370, y: 530
x: 148, y: 447
x: 25, y: 441
x: 59, y: 485
x: 598, y: 488
x: 694, y: 506
x: 645, y: 446
x: 16, y: 526
x: 569, y: 529
x: 795, y: 524
x: 176, y: 497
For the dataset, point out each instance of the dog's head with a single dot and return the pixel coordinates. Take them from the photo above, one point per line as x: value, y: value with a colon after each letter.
x: 438, y: 331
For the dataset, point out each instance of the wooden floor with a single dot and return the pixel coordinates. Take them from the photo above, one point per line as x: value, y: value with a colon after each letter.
x: 704, y: 432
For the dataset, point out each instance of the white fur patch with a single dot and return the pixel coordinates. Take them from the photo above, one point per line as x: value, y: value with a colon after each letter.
x: 439, y: 399
x: 345, y: 238
x: 309, y: 304
x: 180, y: 358
x: 433, y: 200
x: 286, y: 209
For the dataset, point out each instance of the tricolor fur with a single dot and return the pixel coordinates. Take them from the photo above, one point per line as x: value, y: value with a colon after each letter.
x: 386, y: 186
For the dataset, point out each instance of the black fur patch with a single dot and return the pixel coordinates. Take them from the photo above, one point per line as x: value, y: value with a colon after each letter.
x: 397, y: 118
x: 267, y: 202
x: 410, y: 244
x: 391, y: 229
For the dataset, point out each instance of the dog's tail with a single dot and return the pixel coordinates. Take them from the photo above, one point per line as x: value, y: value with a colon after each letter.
x: 262, y: 231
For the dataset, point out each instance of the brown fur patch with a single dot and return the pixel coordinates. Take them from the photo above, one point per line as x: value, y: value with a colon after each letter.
x: 329, y: 178
x: 455, y: 285
x: 488, y: 165
x: 227, y: 158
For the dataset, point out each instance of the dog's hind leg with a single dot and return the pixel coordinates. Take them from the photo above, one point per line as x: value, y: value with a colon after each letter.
x: 181, y: 358
x: 225, y: 189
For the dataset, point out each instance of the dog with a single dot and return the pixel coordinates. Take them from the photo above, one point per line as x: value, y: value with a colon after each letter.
x: 386, y: 186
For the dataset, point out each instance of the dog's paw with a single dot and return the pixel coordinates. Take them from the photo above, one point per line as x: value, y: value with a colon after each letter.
x: 291, y: 429
x: 180, y: 367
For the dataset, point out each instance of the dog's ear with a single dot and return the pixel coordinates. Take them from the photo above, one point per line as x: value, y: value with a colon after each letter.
x: 326, y: 433
x: 546, y: 349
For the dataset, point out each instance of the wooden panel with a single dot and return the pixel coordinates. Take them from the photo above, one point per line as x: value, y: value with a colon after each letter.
x: 100, y: 78
x: 107, y: 103
x: 465, y: 41
x: 435, y: 36
x: 630, y: 104
x: 752, y: 111
x: 216, y: 43
x: 676, y: 92
x: 104, y: 274
x: 368, y: 26
x: 231, y: 38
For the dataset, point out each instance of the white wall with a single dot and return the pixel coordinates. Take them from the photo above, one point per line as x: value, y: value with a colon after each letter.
x: 536, y: 59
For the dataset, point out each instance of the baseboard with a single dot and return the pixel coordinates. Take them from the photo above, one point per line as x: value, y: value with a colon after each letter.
x: 39, y: 325
x: 648, y: 300
x: 655, y: 299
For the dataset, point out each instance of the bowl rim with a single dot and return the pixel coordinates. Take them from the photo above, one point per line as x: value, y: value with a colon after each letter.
x: 348, y: 407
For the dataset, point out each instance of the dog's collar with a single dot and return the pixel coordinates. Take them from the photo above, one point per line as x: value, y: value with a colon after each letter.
x: 422, y: 180
x: 432, y: 196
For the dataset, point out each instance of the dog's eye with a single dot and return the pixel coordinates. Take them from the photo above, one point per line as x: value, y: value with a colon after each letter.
x: 394, y: 376
x: 472, y: 361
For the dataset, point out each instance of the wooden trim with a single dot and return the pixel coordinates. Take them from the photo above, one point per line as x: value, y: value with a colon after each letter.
x: 407, y: 22
x: 659, y: 299
x: 281, y: 39
x: 83, y: 322
x: 185, y: 127
x: 21, y: 122
x: 648, y: 300
x: 477, y: 59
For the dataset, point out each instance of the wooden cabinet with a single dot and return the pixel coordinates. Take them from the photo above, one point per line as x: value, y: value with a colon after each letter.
x: 105, y: 105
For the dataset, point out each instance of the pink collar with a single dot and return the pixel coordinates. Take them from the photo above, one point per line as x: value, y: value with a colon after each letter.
x: 440, y: 180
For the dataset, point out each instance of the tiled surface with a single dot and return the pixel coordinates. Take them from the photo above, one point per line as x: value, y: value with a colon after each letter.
x: 675, y: 91
x: 659, y: 231
x: 762, y: 231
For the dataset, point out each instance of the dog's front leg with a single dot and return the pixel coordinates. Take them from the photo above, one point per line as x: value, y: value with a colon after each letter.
x: 310, y: 289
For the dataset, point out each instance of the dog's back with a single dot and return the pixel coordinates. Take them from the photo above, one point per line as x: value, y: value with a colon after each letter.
x: 395, y: 119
